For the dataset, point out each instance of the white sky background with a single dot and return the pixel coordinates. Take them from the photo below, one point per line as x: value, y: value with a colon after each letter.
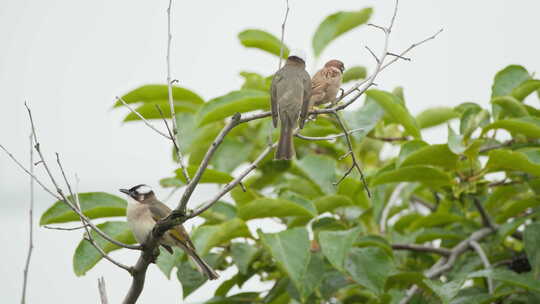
x: 70, y: 58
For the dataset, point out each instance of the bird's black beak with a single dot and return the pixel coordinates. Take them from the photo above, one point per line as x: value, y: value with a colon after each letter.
x: 126, y: 191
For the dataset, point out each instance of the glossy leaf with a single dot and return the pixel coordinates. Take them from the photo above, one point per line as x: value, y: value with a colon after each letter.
x: 253, y: 38
x: 528, y: 126
x: 254, y: 81
x: 434, y: 155
x: 210, y: 176
x: 531, y: 238
x: 290, y: 249
x: 435, y: 116
x: 149, y: 110
x: 409, y: 148
x: 208, y: 236
x: 219, y: 213
x: 354, y: 73
x: 336, y: 25
x: 507, y: 79
x: 399, y: 113
x: 426, y: 174
x: 86, y: 256
x: 526, y: 88
x: 234, y: 102
x: 321, y: 170
x: 524, y: 280
x: 190, y: 278
x: 365, y: 118
x: 267, y: 207
x: 93, y: 205
x: 231, y: 153
x: 166, y: 261
x: 511, y: 107
x: 370, y: 267
x: 445, y: 291
x: 511, y: 161
x: 455, y: 142
x: 336, y: 245
x: 331, y: 202
x: 156, y: 93
x: 243, y: 254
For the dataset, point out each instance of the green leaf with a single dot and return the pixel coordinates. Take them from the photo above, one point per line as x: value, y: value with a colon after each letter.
x: 234, y: 102
x: 434, y: 155
x: 336, y: 245
x: 149, y: 110
x: 93, y: 205
x: 166, y: 261
x: 262, y: 40
x: 431, y: 176
x: 524, y: 280
x: 408, y: 148
x: 321, y: 170
x: 526, y: 88
x: 208, y: 236
x: 435, y: 116
x: 337, y: 24
x: 242, y: 255
x: 394, y: 107
x: 290, y: 249
x: 365, y: 118
x: 445, y: 291
x: 435, y: 219
x: 370, y: 267
x: 210, y: 176
x: 254, y: 81
x: 472, y: 118
x: 505, y: 160
x: 153, y: 93
x: 86, y: 255
x: 268, y: 207
x: 231, y: 153
x: 507, y: 79
x: 242, y: 197
x: 354, y: 73
x: 531, y: 238
x: 511, y: 107
x: 455, y: 142
x: 354, y: 189
x: 528, y: 126
x: 219, y: 213
x: 331, y: 202
x: 515, y: 208
x: 190, y: 278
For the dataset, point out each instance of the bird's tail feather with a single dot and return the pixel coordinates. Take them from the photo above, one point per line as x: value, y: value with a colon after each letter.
x: 285, y: 148
x: 203, y: 267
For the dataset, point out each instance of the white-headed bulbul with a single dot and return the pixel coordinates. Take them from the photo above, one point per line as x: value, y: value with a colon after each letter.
x: 289, y: 95
x: 326, y: 83
x: 144, y: 210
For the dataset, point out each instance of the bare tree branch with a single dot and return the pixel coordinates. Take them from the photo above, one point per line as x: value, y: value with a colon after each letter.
x: 283, y: 34
x: 102, y: 291
x: 30, y: 223
x: 146, y: 122
x: 445, y: 264
x: 476, y: 246
x: 353, y: 156
x: 176, y: 131
x: 64, y: 228
x: 422, y: 248
x: 486, y: 219
x: 330, y: 137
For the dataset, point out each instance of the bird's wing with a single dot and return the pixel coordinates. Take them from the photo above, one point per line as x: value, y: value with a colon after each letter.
x: 159, y: 211
x: 306, y: 96
x: 319, y: 83
x: 273, y: 97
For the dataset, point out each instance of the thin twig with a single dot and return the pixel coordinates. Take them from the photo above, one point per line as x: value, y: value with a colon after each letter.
x: 419, y: 200
x: 330, y: 137
x: 65, y: 228
x: 372, y: 54
x: 389, y: 139
x: 486, y: 219
x: 176, y: 131
x: 283, y: 34
x: 102, y: 291
x: 205, y: 162
x: 146, y: 122
x: 353, y: 156
x: 30, y: 224
x: 392, y: 201
x: 485, y: 261
x: 421, y: 248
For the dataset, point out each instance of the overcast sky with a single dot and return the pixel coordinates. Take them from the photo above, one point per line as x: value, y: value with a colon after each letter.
x: 70, y: 58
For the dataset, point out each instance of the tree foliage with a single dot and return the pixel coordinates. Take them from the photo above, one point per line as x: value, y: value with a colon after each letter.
x: 336, y: 243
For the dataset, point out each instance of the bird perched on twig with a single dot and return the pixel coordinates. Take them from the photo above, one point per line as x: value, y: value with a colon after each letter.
x: 144, y: 210
x: 289, y: 95
x: 326, y: 83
